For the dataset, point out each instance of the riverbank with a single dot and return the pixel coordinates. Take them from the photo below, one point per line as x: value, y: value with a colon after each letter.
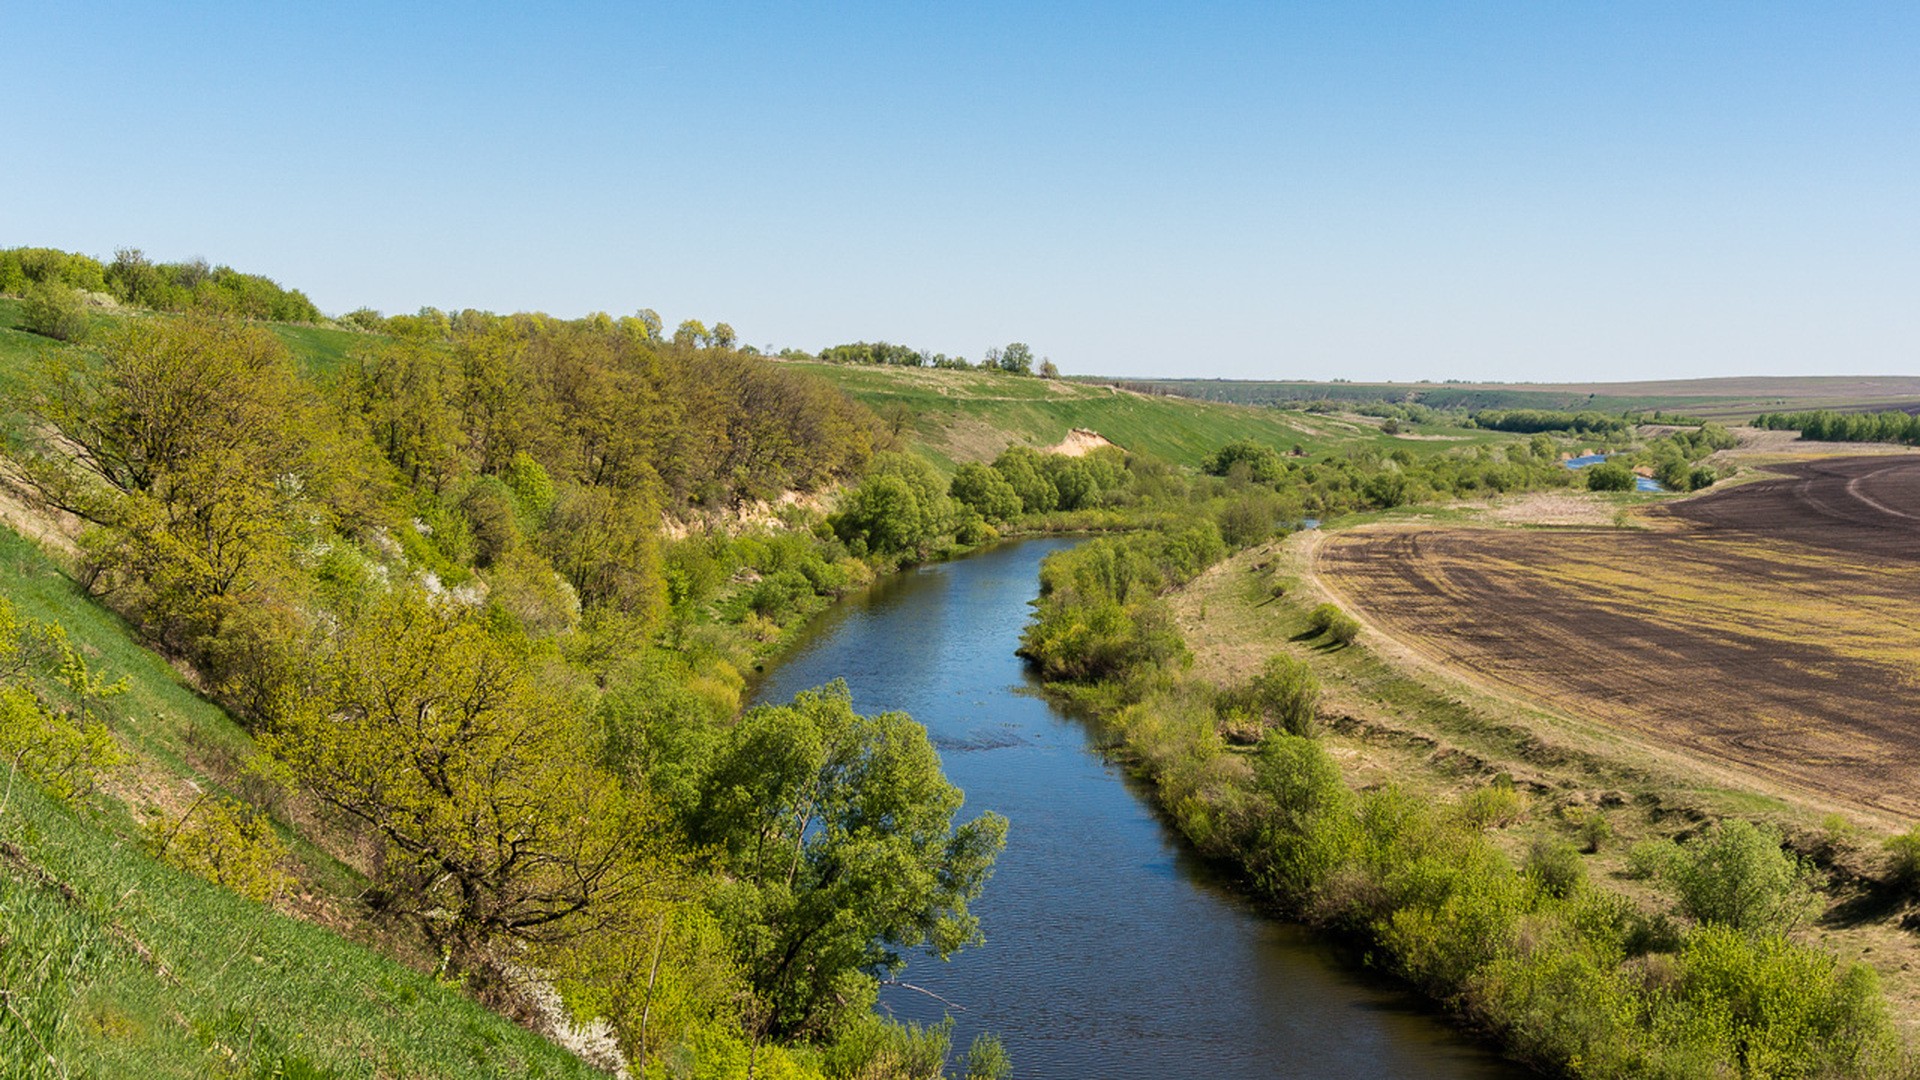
x: 1110, y: 949
x: 1433, y: 833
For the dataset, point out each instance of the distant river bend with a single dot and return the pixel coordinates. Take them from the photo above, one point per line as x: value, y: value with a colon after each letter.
x: 1110, y: 953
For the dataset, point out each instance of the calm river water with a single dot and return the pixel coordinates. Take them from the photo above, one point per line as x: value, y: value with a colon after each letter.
x: 1109, y: 952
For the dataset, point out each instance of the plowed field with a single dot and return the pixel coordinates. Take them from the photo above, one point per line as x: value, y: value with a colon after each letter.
x: 1773, y: 627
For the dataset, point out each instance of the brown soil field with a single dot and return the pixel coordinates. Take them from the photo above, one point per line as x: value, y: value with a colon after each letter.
x: 1772, y: 627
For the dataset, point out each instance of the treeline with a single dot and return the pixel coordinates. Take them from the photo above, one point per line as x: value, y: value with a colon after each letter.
x: 1570, y: 976
x: 57, y: 277
x: 1827, y: 425
x: 1015, y: 359
x: 436, y: 584
x: 1365, y: 479
x: 1529, y: 421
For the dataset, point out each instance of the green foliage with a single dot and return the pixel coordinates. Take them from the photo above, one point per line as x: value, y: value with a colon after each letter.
x: 1259, y: 463
x: 1780, y: 1010
x: 1339, y: 627
x: 1023, y: 470
x: 1594, y: 831
x: 1250, y: 519
x: 227, y: 842
x: 1073, y: 485
x: 1307, y: 831
x: 1099, y: 614
x: 1495, y: 806
x: 1735, y: 875
x: 23, y: 268
x: 1527, y: 421
x: 987, y: 1060
x: 1609, y: 476
x: 841, y: 852
x: 1830, y: 426
x: 1322, y: 617
x: 1287, y: 691
x: 901, y: 508
x: 878, y: 352
x: 482, y: 787
x: 1904, y: 858
x: 51, y: 732
x: 1015, y: 359
x: 56, y: 311
x: 1556, y: 866
x: 986, y: 491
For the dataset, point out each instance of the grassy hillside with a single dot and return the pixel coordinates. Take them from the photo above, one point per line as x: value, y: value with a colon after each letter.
x: 116, y: 964
x: 959, y: 416
x: 320, y: 349
x: 125, y: 966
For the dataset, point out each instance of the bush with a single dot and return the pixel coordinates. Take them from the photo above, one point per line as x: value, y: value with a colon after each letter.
x: 1497, y: 805
x: 1783, y: 1010
x: 1905, y: 850
x: 1339, y: 627
x: 1306, y: 829
x: 1286, y: 691
x: 56, y: 311
x: 1609, y: 476
x: 1595, y: 831
x: 1735, y: 876
x: 1247, y: 521
x: 986, y: 491
x: 1322, y: 617
x: 1555, y: 866
x: 228, y: 843
x: 64, y: 749
x: 1335, y: 623
x: 779, y: 595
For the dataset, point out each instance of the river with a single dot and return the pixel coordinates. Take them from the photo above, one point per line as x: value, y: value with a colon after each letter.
x: 1110, y: 952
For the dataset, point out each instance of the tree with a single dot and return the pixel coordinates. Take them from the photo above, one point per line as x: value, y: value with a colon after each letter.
x: 170, y: 393
x: 900, y: 507
x: 191, y: 445
x: 1022, y: 468
x: 1264, y: 465
x: 1073, y: 484
x: 985, y: 490
x: 1048, y: 370
x: 691, y: 333
x: 408, y: 393
x: 494, y: 819
x: 1609, y: 476
x: 1017, y: 359
x: 722, y: 336
x: 837, y: 833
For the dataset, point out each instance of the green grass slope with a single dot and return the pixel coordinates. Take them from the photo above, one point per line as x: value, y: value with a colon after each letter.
x: 114, y: 964
x: 959, y: 416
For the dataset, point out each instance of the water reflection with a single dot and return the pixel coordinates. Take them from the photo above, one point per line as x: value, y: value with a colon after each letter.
x: 1110, y: 951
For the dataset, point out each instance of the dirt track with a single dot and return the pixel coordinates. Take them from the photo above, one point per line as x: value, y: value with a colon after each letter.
x: 1773, y: 627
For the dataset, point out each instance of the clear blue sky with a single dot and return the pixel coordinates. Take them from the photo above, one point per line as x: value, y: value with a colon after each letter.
x: 1437, y: 190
